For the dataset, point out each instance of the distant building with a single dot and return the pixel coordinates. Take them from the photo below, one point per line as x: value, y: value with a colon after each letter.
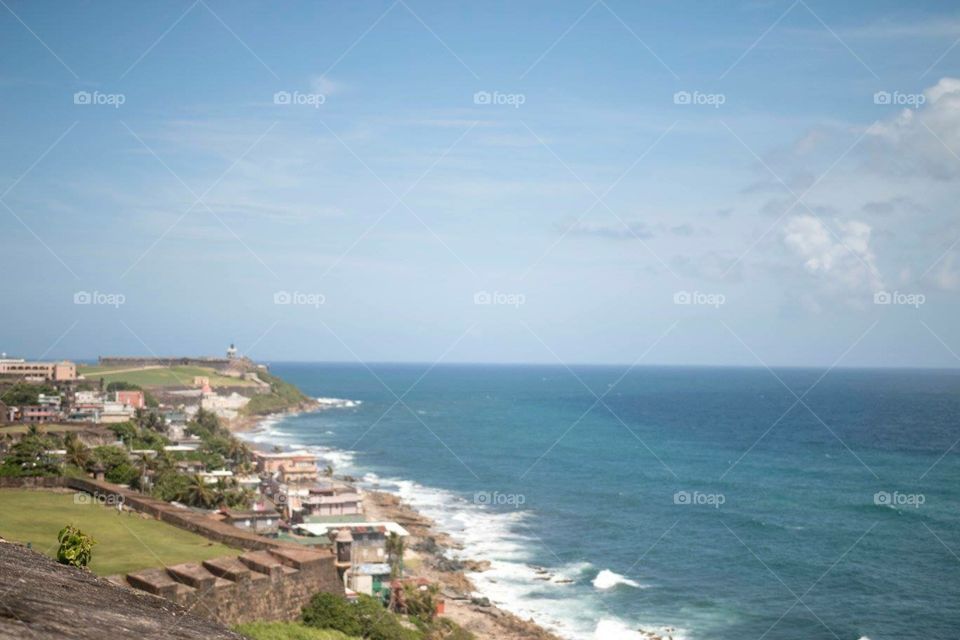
x: 64, y: 371
x: 331, y: 500
x: 133, y: 399
x: 232, y: 352
x: 369, y: 538
x: 34, y: 414
x: 291, y: 468
x: 262, y: 519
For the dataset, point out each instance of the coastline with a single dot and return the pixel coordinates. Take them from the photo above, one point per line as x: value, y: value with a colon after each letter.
x: 426, y: 553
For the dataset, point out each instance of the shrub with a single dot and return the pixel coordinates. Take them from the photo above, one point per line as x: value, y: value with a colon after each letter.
x: 76, y: 547
x: 366, y: 618
x: 329, y: 611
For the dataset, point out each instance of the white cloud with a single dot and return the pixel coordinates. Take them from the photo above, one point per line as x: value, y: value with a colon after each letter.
x: 922, y: 141
x: 842, y: 259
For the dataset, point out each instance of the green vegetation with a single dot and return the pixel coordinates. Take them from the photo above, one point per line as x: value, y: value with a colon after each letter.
x: 282, y: 396
x: 147, y: 377
x: 125, y: 541
x: 23, y: 393
x: 287, y: 631
x: 76, y: 547
x: 366, y: 618
x: 29, y: 457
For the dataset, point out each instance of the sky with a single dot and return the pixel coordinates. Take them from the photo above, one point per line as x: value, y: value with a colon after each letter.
x: 731, y: 183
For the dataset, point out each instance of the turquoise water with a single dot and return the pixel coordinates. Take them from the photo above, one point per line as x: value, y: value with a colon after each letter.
x: 706, y: 502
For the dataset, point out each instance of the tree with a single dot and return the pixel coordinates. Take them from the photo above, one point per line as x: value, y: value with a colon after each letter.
x: 170, y: 485
x: 198, y: 492
x: 116, y: 463
x: 78, y: 454
x: 30, y: 457
x: 23, y: 393
x: 421, y: 602
x: 395, y: 554
x: 76, y: 547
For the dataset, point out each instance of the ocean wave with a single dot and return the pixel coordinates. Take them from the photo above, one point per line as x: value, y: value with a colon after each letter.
x: 338, y: 403
x: 613, y: 629
x: 607, y: 579
x: 557, y: 597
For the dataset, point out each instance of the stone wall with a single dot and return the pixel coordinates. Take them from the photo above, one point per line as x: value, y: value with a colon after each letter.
x: 273, y: 580
x: 258, y: 585
x: 31, y: 483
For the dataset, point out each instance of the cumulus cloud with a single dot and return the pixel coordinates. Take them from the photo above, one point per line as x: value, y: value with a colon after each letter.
x: 843, y: 259
x: 922, y: 141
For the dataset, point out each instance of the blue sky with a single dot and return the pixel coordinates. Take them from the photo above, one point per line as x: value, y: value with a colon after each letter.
x: 483, y: 182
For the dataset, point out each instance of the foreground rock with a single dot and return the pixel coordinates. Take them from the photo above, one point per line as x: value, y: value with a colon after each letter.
x: 42, y: 599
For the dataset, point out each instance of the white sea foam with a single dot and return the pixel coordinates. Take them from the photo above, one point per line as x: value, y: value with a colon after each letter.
x: 511, y: 582
x: 613, y: 629
x: 607, y: 579
x: 338, y: 403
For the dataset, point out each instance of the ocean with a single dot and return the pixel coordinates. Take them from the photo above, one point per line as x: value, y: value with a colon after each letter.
x: 700, y: 503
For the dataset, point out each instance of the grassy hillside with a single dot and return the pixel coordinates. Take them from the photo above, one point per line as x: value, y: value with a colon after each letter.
x: 157, y: 377
x: 125, y: 542
x: 282, y: 397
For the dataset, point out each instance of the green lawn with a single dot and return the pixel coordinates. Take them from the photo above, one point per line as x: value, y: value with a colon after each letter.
x: 125, y: 542
x: 161, y: 376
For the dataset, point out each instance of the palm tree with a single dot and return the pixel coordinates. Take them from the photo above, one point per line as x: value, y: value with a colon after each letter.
x: 78, y: 454
x: 198, y: 492
x: 395, y: 554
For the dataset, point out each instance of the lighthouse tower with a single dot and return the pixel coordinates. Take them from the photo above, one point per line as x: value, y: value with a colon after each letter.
x: 232, y: 352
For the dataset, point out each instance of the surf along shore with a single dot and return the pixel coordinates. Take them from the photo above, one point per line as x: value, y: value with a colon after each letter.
x: 425, y: 553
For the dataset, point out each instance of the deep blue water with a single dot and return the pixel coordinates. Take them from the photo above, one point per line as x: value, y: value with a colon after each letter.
x: 799, y: 548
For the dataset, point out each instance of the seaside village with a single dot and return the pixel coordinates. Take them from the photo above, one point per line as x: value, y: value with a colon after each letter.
x: 152, y: 438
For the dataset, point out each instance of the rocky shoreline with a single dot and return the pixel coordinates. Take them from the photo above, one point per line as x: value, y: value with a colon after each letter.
x: 426, y: 557
x: 426, y: 553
